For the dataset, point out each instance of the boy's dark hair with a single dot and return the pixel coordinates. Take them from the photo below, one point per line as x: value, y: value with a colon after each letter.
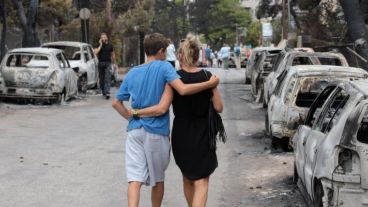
x: 154, y: 42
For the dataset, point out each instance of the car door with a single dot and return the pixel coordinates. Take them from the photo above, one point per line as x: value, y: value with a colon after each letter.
x: 274, y: 108
x: 303, y: 132
x: 94, y: 64
x: 330, y: 113
x: 90, y: 63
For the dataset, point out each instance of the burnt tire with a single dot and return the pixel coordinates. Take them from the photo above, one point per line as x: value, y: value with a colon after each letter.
x: 267, y: 128
x: 247, y: 80
x: 83, y: 84
x: 60, y: 97
x: 318, y: 194
x: 295, y: 175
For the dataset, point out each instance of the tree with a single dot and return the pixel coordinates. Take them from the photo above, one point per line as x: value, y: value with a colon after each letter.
x: 4, y: 29
x: 254, y: 34
x: 219, y: 21
x: 28, y: 22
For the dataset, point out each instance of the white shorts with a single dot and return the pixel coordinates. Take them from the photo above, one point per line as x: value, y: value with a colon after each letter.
x: 147, y: 157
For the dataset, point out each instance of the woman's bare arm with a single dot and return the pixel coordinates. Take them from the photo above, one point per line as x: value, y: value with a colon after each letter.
x: 217, y: 101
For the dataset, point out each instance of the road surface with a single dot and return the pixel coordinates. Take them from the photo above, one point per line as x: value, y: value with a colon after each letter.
x: 73, y: 155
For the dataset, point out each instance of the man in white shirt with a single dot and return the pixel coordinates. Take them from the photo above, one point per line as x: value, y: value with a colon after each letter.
x: 170, y: 53
x: 225, y: 54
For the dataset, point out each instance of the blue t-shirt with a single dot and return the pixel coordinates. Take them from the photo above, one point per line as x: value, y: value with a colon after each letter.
x: 145, y: 85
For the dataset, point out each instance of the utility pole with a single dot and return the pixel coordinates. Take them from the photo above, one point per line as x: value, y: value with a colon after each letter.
x: 284, y: 25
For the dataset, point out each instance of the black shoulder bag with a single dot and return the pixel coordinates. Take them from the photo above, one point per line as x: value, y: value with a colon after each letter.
x: 216, y: 129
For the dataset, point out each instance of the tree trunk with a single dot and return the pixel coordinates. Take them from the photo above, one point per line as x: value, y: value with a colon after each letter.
x: 4, y: 29
x: 356, y: 26
x: 108, y: 11
x: 28, y: 23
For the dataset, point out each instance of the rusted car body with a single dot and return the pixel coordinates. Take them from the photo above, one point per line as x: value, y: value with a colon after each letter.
x: 82, y: 60
x: 295, y: 92
x: 252, y: 60
x: 37, y: 73
x: 331, y: 148
x: 293, y: 58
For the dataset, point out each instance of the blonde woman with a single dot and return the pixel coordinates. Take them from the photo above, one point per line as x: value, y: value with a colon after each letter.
x: 190, y: 140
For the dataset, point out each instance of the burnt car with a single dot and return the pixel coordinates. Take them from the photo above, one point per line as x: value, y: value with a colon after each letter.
x: 331, y: 159
x: 37, y: 73
x: 252, y: 60
x: 82, y: 59
x: 295, y: 92
x: 262, y: 69
x: 232, y: 60
x: 292, y: 58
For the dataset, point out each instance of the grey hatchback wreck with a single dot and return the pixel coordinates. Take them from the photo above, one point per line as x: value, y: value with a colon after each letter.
x: 37, y: 73
x: 331, y: 148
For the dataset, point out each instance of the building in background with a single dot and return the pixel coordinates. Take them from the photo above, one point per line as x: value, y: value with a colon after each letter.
x: 251, y: 6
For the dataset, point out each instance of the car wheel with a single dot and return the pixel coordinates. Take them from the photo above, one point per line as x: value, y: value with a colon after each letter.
x: 267, y: 125
x: 82, y: 83
x: 61, y: 97
x: 295, y: 175
x: 247, y: 80
x: 318, y: 194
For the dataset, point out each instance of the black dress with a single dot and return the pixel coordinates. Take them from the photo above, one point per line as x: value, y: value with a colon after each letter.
x: 190, y: 142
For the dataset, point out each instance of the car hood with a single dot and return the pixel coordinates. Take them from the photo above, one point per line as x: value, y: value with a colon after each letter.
x: 26, y: 77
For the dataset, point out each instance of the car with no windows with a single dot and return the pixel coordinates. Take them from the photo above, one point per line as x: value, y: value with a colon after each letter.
x: 331, y: 159
x: 294, y: 58
x: 82, y: 60
x: 295, y: 92
x: 37, y: 73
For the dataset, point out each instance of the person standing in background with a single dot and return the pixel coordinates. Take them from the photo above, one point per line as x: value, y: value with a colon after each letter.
x: 225, y: 54
x: 237, y: 51
x: 106, y: 57
x: 170, y: 53
x: 208, y: 52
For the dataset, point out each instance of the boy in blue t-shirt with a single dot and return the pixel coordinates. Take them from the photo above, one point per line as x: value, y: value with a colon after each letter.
x: 147, y: 145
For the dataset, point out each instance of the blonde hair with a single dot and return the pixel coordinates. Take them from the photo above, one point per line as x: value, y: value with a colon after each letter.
x: 189, y: 51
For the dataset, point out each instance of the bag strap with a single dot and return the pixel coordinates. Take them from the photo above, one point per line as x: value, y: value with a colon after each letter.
x: 205, y: 72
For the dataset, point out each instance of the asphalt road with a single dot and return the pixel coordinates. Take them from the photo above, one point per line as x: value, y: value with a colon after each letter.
x: 73, y: 155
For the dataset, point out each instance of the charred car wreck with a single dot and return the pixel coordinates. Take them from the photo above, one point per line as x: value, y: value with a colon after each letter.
x: 37, y: 73
x: 331, y: 151
x: 295, y: 92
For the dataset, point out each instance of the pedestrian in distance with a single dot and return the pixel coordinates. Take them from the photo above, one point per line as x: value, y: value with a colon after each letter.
x: 170, y: 54
x: 106, y: 57
x: 219, y: 59
x: 147, y: 153
x: 209, y: 57
x: 237, y: 51
x: 225, y: 54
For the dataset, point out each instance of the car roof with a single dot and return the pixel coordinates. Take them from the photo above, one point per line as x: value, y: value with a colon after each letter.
x: 37, y: 50
x: 311, y: 70
x: 66, y: 43
x: 312, y: 54
x: 266, y: 48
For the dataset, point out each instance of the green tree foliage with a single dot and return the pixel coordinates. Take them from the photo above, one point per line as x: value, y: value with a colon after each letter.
x: 219, y: 20
x: 254, y: 33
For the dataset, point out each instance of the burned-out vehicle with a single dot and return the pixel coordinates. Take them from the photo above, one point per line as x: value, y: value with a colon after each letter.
x: 252, y: 60
x: 295, y: 92
x: 293, y: 58
x: 331, y: 159
x: 37, y: 73
x: 82, y: 60
x: 262, y: 69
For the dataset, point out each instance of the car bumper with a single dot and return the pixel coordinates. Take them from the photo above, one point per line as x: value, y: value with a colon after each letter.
x: 352, y: 197
x: 27, y: 93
